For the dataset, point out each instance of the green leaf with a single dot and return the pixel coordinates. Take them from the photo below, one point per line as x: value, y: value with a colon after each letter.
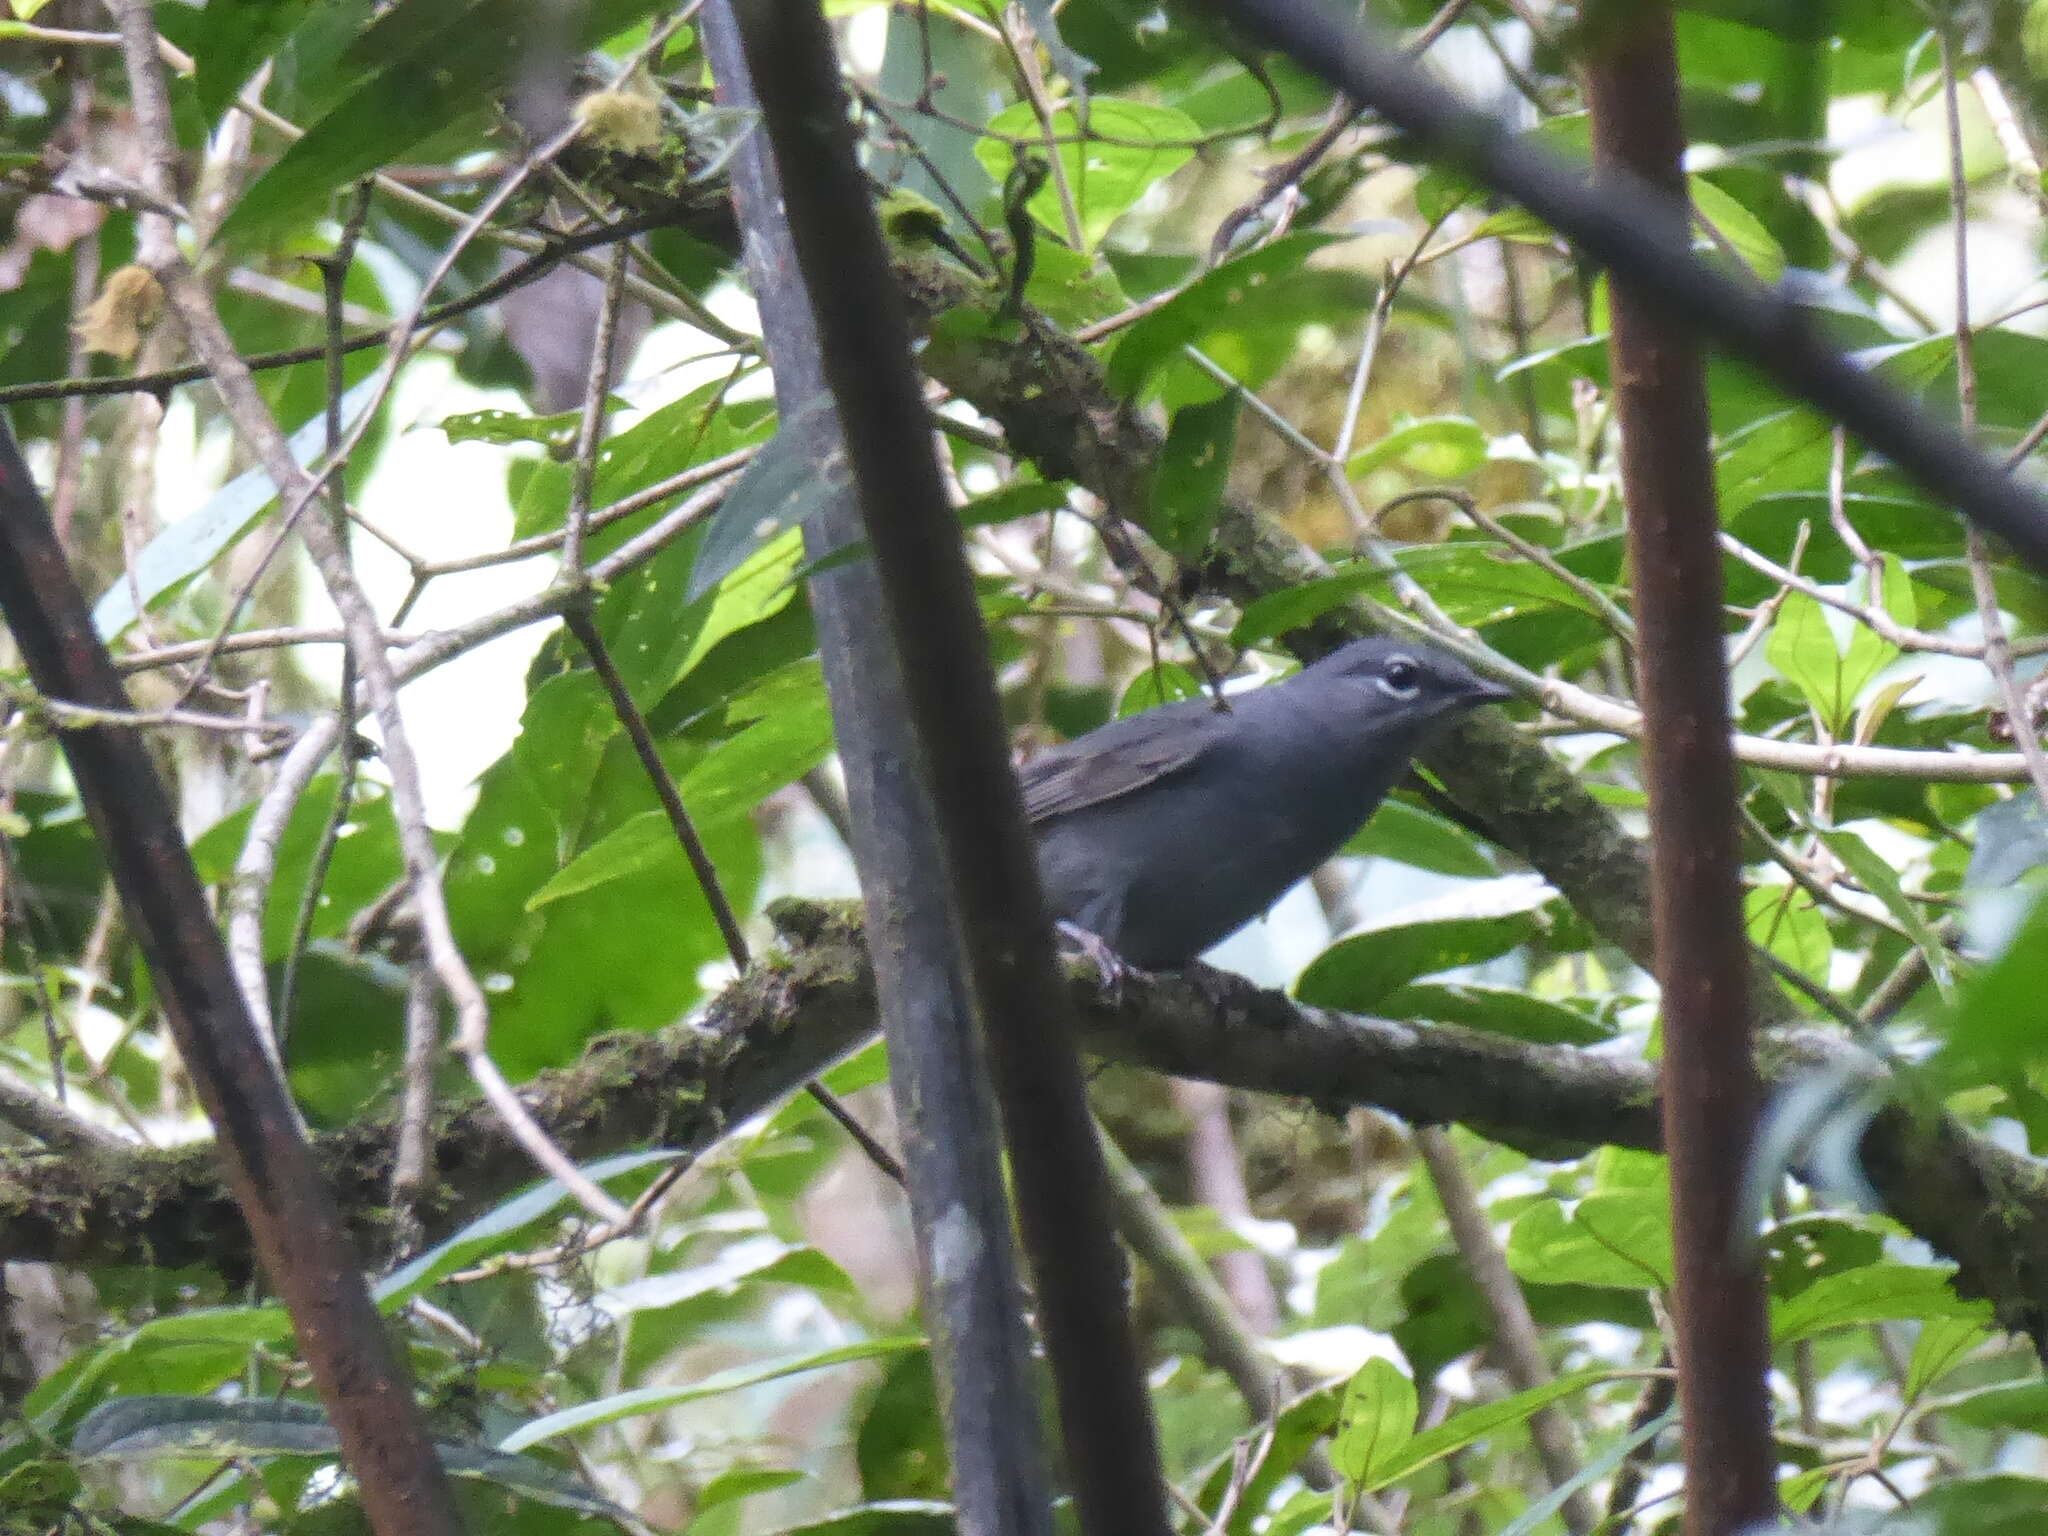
x: 703, y: 425
x: 197, y: 1349
x: 1167, y: 683
x: 884, y: 1517
x: 1997, y: 1504
x: 1376, y: 1423
x: 1437, y: 447
x: 1478, y: 584
x: 1804, y: 650
x: 364, y: 864
x: 644, y: 1400
x: 587, y: 969
x: 744, y: 1483
x: 1517, y: 224
x: 500, y: 426
x: 1498, y: 1010
x: 1228, y: 295
x: 503, y: 1228
x: 1072, y: 289
x: 1463, y: 1428
x: 420, y: 87
x: 1994, y: 1028
x: 191, y: 544
x: 1292, y: 608
x: 780, y: 747
x: 1026, y: 498
x: 761, y: 586
x: 1785, y: 451
x: 1409, y: 835
x: 1876, y: 1293
x: 1742, y: 229
x: 1943, y: 1344
x: 1300, y: 1426
x: 2009, y: 1405
x: 235, y: 40
x: 1140, y: 144
x: 1194, y: 468
x: 783, y: 484
x: 1620, y: 1240
x: 1785, y: 920
x: 1360, y: 971
x: 1877, y: 876
x: 1532, y: 1519
x: 172, y: 1428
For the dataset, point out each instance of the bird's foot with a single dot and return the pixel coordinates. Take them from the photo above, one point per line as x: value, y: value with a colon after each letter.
x: 1109, y: 965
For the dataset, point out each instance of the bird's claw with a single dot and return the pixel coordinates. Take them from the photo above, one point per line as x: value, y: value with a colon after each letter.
x: 1111, y: 967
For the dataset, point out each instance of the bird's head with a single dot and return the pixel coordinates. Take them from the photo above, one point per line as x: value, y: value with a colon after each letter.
x: 1398, y: 680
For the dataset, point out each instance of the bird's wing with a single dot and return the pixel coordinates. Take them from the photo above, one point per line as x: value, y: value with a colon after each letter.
x: 1117, y: 759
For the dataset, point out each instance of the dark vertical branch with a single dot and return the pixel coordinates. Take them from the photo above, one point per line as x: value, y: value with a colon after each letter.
x: 955, y: 722
x: 291, y: 1214
x: 1711, y: 1092
x: 972, y: 1299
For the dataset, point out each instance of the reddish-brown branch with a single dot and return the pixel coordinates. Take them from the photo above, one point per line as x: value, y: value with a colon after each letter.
x: 1711, y: 1093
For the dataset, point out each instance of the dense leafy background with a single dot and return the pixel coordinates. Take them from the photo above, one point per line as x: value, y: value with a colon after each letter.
x: 749, y: 1360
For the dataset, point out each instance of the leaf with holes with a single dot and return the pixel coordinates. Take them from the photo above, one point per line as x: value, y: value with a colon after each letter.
x: 1376, y: 1422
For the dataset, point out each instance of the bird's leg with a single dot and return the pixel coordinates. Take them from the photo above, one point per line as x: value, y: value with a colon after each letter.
x: 1109, y: 965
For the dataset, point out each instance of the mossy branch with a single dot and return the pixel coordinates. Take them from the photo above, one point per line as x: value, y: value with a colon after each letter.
x: 811, y: 1001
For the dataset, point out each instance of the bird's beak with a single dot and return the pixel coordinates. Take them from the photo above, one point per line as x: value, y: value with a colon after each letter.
x: 1487, y: 691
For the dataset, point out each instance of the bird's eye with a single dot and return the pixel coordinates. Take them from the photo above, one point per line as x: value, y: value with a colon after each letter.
x: 1401, y: 677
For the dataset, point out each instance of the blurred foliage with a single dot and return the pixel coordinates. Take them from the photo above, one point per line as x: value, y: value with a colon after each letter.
x: 747, y: 1360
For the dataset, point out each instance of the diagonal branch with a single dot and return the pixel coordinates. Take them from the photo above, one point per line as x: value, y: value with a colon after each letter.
x: 304, y: 1250
x: 1629, y: 226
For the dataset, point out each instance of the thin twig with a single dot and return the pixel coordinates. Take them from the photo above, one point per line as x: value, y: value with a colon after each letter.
x: 544, y: 255
x: 410, y: 1172
x: 1998, y: 657
x: 590, y: 426
x: 1516, y: 1342
x: 334, y: 270
x: 580, y: 624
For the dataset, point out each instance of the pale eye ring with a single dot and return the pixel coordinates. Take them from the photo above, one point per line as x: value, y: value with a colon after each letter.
x: 1401, y: 677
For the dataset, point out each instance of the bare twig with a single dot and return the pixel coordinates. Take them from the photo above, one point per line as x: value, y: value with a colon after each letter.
x: 544, y: 254
x: 56, y: 1127
x: 411, y: 1175
x: 334, y: 269
x: 256, y: 867
x: 590, y: 426
x: 1998, y: 655
x: 584, y: 628
x: 1519, y: 1346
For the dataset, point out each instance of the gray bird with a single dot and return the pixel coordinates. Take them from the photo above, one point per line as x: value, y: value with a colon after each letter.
x: 1165, y: 832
